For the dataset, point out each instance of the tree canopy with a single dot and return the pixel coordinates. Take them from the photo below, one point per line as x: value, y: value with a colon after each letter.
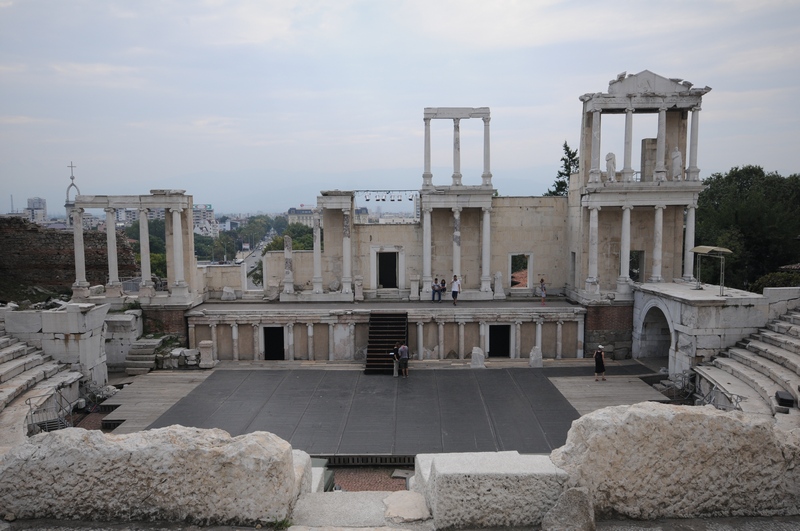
x: 570, y: 163
x: 754, y: 214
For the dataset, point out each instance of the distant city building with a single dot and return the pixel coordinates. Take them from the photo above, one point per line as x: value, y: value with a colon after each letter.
x: 37, y: 210
x: 361, y: 215
x: 155, y: 213
x: 304, y: 216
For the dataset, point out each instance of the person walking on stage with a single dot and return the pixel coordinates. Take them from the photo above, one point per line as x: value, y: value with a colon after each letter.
x: 403, y: 353
x: 455, y: 288
x: 599, y: 363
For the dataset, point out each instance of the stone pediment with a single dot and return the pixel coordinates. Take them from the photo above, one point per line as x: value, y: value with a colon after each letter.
x: 646, y: 82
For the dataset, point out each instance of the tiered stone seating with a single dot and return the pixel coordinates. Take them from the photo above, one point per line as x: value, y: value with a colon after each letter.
x: 761, y: 365
x: 26, y: 374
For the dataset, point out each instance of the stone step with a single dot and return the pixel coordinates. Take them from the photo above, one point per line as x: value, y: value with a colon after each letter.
x: 14, y: 350
x: 780, y: 340
x: 142, y: 351
x: 141, y: 357
x: 778, y: 355
x: 139, y: 364
x: 791, y: 317
x: 762, y: 385
x: 751, y: 402
x: 13, y: 430
x: 783, y: 376
x: 784, y: 327
x: 17, y: 366
x: 131, y: 371
x: 19, y: 384
x: 7, y: 340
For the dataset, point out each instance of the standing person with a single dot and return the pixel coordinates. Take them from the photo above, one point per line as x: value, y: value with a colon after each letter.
x: 442, y: 288
x: 543, y: 290
x: 599, y: 363
x: 396, y: 358
x: 455, y: 288
x: 436, y: 291
x: 403, y: 355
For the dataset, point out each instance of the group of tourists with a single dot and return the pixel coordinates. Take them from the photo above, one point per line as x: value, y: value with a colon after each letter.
x: 400, y: 357
x: 437, y: 288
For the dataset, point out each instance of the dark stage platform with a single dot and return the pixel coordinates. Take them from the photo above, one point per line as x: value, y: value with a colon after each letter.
x: 337, y: 413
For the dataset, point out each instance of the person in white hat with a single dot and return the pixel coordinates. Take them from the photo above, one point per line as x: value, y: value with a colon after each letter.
x: 599, y: 363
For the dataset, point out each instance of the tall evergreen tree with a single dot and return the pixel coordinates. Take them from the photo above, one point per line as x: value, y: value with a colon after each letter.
x: 569, y: 165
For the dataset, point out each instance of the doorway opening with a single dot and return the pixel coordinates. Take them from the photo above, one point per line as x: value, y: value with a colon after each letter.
x: 636, y: 269
x: 387, y: 270
x: 519, y: 271
x: 499, y: 341
x: 273, y: 343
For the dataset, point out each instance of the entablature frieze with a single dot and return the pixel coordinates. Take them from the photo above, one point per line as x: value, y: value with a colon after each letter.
x: 477, y: 199
x: 641, y: 104
x: 669, y: 193
x: 172, y: 200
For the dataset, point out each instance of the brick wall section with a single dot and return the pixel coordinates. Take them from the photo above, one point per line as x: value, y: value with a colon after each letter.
x: 32, y: 255
x: 610, y: 326
x: 166, y: 321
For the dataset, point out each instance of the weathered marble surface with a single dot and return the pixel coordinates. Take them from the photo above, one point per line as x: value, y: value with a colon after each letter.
x: 572, y: 512
x: 651, y: 460
x: 172, y: 474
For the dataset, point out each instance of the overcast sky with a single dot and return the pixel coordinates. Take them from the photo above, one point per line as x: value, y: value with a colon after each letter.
x: 257, y: 105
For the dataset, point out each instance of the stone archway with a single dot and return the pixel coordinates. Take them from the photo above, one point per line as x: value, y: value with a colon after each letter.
x: 653, y: 330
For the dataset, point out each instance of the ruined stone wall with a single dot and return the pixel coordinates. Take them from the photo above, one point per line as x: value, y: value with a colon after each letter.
x: 36, y: 256
x: 610, y: 326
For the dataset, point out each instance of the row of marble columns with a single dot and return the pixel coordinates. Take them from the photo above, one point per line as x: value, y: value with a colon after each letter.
x: 623, y: 281
x: 289, y: 347
x: 484, y: 337
x: 660, y: 172
x: 427, y: 230
x: 347, y: 259
x: 114, y: 285
x: 486, y: 177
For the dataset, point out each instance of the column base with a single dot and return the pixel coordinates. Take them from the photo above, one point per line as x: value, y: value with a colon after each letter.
x: 660, y: 176
x: 655, y: 279
x: 114, y: 289
x: 486, y: 179
x: 347, y: 285
x: 486, y: 283
x: 627, y: 175
x: 456, y: 179
x: 427, y: 180
x: 693, y: 174
x: 180, y: 291
x: 592, y: 285
x: 624, y: 286
x: 688, y: 278
x: 80, y: 290
x: 317, y: 285
x: 594, y: 176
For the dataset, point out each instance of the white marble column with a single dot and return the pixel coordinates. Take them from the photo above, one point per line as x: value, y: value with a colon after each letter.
x: 594, y: 171
x: 539, y: 323
x: 256, y: 343
x: 487, y: 173
x: 192, y: 336
x: 456, y: 151
x: 347, y: 255
x: 352, y: 335
x: 317, y: 280
x: 80, y: 285
x: 144, y: 251
x: 486, y: 251
x: 289, y: 341
x: 579, y: 353
x: 427, y: 276
x: 693, y: 172
x: 177, y: 247
x: 310, y: 332
x: 592, y: 284
x: 517, y: 339
x: 559, y: 338
x: 214, y: 346
x: 688, y: 245
x: 420, y: 340
x: 331, y: 343
x: 264, y: 275
x: 427, y: 176
x: 235, y: 340
x: 658, y: 237
x: 111, y: 242
x: 457, y: 242
x: 660, y: 172
x: 627, y: 170
x: 483, y: 336
x: 440, y: 339
x: 461, y: 340
x: 623, y: 281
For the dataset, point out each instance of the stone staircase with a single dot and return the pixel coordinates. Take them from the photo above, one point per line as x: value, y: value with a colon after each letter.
x: 31, y: 381
x: 385, y: 329
x: 748, y: 375
x: 141, y: 358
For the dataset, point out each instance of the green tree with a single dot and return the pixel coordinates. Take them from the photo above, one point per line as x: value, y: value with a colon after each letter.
x: 302, y: 238
x: 156, y: 230
x: 754, y: 214
x: 569, y: 165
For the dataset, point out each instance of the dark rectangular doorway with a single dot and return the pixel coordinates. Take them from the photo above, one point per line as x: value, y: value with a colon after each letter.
x: 499, y: 341
x: 273, y: 343
x: 387, y: 270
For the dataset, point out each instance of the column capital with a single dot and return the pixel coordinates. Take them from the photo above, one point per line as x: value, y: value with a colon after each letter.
x: 560, y: 322
x: 212, y: 324
x: 176, y: 209
x: 487, y: 119
x: 110, y: 209
x: 627, y: 206
x: 77, y: 210
x: 657, y: 207
x: 595, y: 207
x: 143, y: 209
x: 456, y: 211
x: 692, y: 205
x: 487, y: 209
x: 427, y: 209
x: 697, y: 108
x: 518, y: 322
x: 461, y: 323
x: 420, y: 323
x: 540, y: 321
x: 426, y: 119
